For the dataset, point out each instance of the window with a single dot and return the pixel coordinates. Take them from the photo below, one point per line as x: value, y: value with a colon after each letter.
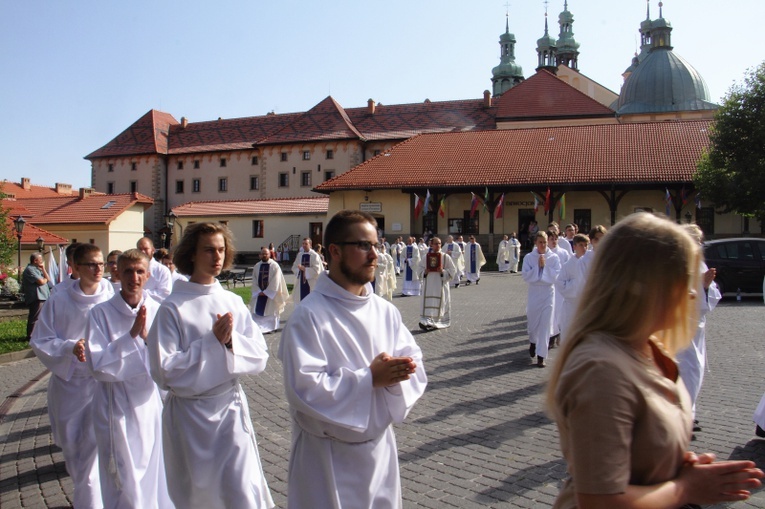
x: 133, y: 186
x: 705, y: 218
x: 111, y: 167
x: 469, y: 225
x: 254, y: 183
x: 330, y: 154
x: 257, y: 228
x: 223, y: 184
x: 222, y: 162
x: 284, y: 156
x: 306, y: 155
x: 329, y: 174
x: 455, y: 226
x: 254, y: 160
x: 305, y: 178
x: 179, y: 187
x: 133, y: 166
x: 583, y: 219
x: 284, y: 180
x: 196, y: 185
x: 376, y: 153
x: 110, y: 188
x: 196, y: 164
x: 180, y: 165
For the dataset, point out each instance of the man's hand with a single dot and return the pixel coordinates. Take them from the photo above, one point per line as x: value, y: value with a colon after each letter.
x: 709, y: 276
x: 223, y: 327
x: 301, y: 267
x: 387, y: 370
x: 541, y: 261
x: 79, y: 350
x: 139, y: 325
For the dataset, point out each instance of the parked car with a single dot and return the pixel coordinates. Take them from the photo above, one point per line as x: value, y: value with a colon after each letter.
x: 740, y: 263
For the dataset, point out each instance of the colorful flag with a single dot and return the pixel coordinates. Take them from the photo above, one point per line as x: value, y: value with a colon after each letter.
x: 684, y: 196
x: 426, y: 207
x: 547, y: 201
x: 417, y: 205
x: 500, y: 208
x: 473, y: 205
x: 536, y: 203
x: 486, y: 200
x: 562, y: 208
x: 698, y: 200
x: 442, y: 207
x: 668, y: 199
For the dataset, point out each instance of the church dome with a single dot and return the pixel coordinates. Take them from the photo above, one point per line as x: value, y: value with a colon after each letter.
x: 507, y: 70
x: 664, y: 82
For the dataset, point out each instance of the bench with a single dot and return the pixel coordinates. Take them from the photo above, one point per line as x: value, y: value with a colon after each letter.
x: 242, y: 277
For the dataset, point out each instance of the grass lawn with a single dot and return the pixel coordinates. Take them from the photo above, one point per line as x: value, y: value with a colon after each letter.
x: 245, y: 292
x: 13, y: 336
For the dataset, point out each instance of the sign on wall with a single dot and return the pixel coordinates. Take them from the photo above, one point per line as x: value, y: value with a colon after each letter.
x: 372, y: 206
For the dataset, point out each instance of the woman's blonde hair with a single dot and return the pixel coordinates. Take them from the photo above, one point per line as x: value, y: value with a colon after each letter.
x: 639, y: 285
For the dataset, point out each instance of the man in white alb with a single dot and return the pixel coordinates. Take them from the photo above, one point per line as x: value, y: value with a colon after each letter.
x: 160, y: 283
x: 454, y: 250
x: 307, y: 267
x: 436, y: 271
x: 351, y: 369
x: 504, y: 257
x: 540, y: 271
x: 412, y: 284
x: 269, y: 292
x: 474, y: 260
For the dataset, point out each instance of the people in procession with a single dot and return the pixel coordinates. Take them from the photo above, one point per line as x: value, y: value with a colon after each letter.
x: 454, y: 250
x: 540, y: 270
x: 474, y: 260
x: 436, y: 271
x: 563, y: 256
x: 515, y: 250
x: 160, y: 283
x: 269, y: 294
x: 307, y: 267
x: 570, y: 283
x: 411, y: 284
x: 504, y: 256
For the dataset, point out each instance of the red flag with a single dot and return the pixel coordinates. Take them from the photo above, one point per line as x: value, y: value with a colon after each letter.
x: 473, y: 205
x: 547, y: 201
x: 442, y: 207
x: 500, y: 207
x: 417, y: 206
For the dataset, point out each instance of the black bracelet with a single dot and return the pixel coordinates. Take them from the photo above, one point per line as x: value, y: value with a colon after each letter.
x: 230, y: 344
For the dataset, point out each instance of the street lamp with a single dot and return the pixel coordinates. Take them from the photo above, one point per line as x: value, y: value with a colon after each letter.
x: 19, y: 224
x: 688, y: 217
x: 163, y: 236
x: 170, y: 218
x: 40, y: 244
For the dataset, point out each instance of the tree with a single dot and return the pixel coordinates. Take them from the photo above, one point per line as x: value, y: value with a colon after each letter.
x: 8, y: 240
x: 731, y: 174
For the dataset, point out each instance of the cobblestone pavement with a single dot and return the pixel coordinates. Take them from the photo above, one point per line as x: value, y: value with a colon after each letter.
x: 479, y: 437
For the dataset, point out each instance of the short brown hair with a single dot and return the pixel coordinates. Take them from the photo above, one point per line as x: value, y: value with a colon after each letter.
x: 581, y: 238
x: 161, y: 254
x: 338, y: 226
x: 132, y: 255
x: 184, y: 252
x: 82, y: 251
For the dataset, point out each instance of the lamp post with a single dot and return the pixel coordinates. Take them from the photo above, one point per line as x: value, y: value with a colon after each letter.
x: 40, y: 244
x: 170, y: 223
x: 19, y: 224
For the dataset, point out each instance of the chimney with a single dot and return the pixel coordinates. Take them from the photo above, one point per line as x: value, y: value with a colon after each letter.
x: 486, y: 99
x: 85, y: 192
x: 184, y: 122
x: 65, y: 189
x: 371, y: 106
x: 26, y: 184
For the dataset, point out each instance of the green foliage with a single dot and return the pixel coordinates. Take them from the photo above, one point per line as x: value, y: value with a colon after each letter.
x: 732, y: 173
x: 8, y: 241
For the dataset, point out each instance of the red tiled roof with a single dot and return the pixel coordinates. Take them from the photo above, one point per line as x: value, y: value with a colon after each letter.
x: 325, y: 121
x: 95, y: 209
x: 313, y: 205
x: 31, y: 233
x: 225, y: 134
x: 147, y: 135
x: 544, y: 95
x: 16, y: 190
x: 638, y: 153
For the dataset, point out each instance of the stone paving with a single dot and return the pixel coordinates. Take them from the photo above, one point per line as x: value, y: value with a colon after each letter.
x: 479, y: 437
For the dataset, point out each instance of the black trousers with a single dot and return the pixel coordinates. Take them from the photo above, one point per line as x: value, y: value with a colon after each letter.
x: 34, y: 313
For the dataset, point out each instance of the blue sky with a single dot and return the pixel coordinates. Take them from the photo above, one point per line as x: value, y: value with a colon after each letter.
x: 77, y: 73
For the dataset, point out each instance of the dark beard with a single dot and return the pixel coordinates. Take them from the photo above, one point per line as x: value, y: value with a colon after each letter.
x: 355, y: 278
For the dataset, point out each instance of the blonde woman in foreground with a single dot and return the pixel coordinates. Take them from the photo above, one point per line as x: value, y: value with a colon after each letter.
x: 623, y: 414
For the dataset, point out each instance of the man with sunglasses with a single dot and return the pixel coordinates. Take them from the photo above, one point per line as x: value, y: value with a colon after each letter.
x: 351, y: 369
x: 58, y: 340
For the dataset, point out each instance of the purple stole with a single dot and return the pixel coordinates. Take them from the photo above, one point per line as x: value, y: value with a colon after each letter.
x: 408, y: 274
x: 262, y: 300
x: 305, y: 288
x: 473, y: 269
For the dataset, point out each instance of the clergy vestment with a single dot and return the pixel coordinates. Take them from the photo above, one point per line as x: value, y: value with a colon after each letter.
x: 570, y: 285
x: 412, y: 284
x: 563, y: 256
x: 398, y: 256
x: 267, y: 277
x: 343, y: 451
x: 474, y: 260
x: 515, y: 249
x: 211, y: 456
x: 385, y: 276
x: 62, y: 323
x: 454, y: 250
x: 693, y: 360
x: 436, y: 299
x: 306, y: 279
x: 541, y: 299
x: 127, y: 408
x: 160, y: 284
x: 503, y: 256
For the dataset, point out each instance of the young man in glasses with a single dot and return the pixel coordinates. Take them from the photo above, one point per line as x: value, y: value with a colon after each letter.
x: 307, y: 267
x: 351, y: 369
x: 58, y: 340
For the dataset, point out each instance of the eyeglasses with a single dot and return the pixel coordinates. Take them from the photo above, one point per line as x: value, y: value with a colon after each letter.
x: 363, y: 245
x: 93, y: 266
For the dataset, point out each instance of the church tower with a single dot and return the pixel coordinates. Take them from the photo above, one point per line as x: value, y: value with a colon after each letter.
x: 507, y: 74
x: 568, y: 48
x: 546, y: 50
